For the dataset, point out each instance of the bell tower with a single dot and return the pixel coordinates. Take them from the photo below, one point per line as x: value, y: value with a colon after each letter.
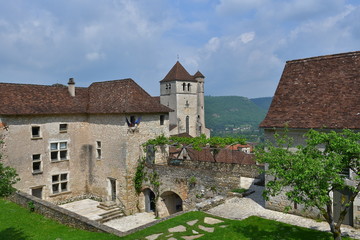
x: 184, y: 93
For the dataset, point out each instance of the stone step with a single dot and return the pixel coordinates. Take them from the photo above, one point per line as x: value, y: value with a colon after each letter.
x: 113, y: 214
x: 109, y: 205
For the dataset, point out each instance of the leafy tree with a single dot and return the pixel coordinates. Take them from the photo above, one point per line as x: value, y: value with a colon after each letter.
x: 8, y: 177
x: 314, y: 170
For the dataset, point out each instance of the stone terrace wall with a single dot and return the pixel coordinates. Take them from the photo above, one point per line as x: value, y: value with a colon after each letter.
x: 210, y: 179
x: 244, y: 170
x: 61, y: 215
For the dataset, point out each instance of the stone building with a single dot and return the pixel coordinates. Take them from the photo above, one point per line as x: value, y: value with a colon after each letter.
x: 68, y: 142
x: 184, y: 93
x: 317, y: 93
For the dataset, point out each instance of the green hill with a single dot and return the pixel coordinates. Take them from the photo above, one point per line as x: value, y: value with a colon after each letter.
x: 235, y: 115
x: 263, y: 102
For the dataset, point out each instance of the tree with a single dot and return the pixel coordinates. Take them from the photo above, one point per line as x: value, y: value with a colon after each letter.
x: 8, y: 177
x: 314, y: 170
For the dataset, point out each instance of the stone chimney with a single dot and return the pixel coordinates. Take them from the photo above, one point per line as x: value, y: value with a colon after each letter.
x: 71, y: 87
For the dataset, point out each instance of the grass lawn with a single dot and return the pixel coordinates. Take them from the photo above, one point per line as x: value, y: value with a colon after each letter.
x: 18, y: 223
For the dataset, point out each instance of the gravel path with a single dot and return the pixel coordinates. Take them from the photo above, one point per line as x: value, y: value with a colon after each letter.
x: 253, y: 205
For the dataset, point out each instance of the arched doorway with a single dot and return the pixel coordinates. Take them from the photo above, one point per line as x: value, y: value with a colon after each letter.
x: 172, y: 202
x: 149, y: 200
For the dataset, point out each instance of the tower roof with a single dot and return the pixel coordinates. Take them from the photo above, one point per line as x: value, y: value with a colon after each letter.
x: 198, y: 74
x: 178, y: 72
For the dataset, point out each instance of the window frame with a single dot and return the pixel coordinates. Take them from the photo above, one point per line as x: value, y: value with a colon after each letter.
x: 37, y: 160
x: 35, y: 136
x: 63, y: 129
x: 59, y: 183
x: 98, y: 150
x: 59, y: 151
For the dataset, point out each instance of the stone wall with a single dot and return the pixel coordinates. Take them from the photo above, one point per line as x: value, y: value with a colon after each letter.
x: 61, y: 215
x: 196, y: 180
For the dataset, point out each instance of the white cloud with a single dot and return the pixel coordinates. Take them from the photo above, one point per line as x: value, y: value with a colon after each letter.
x: 93, y: 56
x: 213, y: 44
x: 242, y: 42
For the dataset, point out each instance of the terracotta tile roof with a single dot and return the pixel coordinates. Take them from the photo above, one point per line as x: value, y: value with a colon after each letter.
x: 239, y: 157
x: 318, y: 92
x: 178, y: 72
x: 198, y: 74
x: 40, y: 99
x: 204, y: 155
x: 224, y: 156
x: 120, y: 96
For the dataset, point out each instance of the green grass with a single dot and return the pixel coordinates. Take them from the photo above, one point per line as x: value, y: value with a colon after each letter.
x: 239, y: 190
x: 19, y: 223
x: 251, y: 228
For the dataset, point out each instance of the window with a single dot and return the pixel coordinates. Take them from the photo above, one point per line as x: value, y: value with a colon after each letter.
x: 35, y: 131
x: 59, y: 183
x: 184, y: 86
x: 63, y: 127
x: 162, y: 119
x: 36, y: 163
x: 188, y: 86
x: 58, y: 151
x: 169, y: 85
x: 98, y: 149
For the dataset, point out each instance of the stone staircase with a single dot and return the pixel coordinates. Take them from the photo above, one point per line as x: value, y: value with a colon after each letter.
x: 113, y: 211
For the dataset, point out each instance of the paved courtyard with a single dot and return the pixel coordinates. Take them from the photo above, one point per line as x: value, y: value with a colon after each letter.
x: 88, y: 208
x: 233, y: 208
x: 253, y: 205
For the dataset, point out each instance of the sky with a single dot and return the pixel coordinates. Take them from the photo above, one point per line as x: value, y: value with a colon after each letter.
x: 241, y: 46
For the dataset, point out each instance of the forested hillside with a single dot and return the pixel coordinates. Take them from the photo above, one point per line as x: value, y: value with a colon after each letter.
x: 235, y: 115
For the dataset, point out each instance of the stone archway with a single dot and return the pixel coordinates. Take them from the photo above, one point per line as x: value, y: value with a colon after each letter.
x: 169, y: 203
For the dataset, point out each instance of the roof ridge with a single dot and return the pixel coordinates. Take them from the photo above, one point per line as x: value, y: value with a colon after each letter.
x: 178, y: 73
x: 325, y: 57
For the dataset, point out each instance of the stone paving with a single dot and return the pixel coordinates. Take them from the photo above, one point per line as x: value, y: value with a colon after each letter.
x: 88, y: 208
x: 253, y: 205
x: 182, y: 228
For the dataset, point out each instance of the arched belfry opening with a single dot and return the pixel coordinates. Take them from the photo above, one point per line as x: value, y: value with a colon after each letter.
x: 172, y: 202
x: 149, y: 200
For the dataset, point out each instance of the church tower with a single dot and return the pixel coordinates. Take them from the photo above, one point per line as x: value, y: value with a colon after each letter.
x: 184, y: 93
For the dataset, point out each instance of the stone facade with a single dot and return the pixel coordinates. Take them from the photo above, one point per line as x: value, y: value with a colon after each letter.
x: 99, y: 148
x: 184, y: 94
x: 192, y: 182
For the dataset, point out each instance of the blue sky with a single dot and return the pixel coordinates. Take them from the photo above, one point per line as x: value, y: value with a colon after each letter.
x: 241, y: 46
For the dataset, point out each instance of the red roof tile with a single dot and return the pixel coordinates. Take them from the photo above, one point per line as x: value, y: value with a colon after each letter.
x: 120, y: 96
x: 178, y: 72
x: 198, y: 74
x: 318, y: 92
